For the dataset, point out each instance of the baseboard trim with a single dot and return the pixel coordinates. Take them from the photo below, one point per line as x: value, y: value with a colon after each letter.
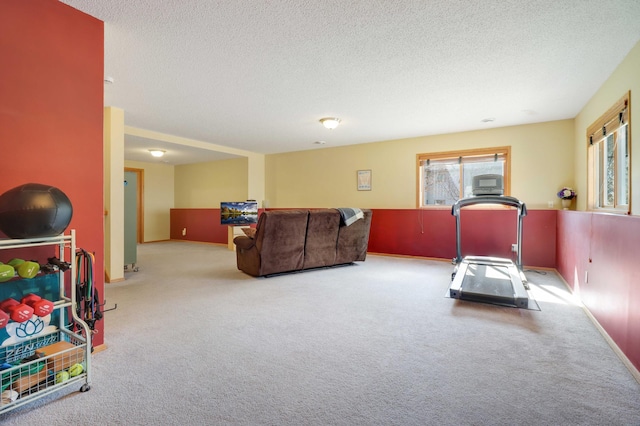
x: 408, y: 256
x: 632, y: 368
x: 197, y: 242
x: 108, y: 280
x: 99, y: 348
x: 627, y: 363
x: 451, y: 261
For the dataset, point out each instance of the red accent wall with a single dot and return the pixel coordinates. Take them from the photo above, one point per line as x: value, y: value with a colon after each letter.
x: 432, y: 233
x: 51, y: 103
x: 202, y: 225
x: 598, y: 257
x: 426, y: 233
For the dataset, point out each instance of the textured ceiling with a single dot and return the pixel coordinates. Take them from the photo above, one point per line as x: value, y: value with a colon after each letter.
x: 257, y: 75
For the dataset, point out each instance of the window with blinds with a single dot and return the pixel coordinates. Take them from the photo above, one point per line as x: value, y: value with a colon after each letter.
x: 609, y: 159
x: 445, y: 177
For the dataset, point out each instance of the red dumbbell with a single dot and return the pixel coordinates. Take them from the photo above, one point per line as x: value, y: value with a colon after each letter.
x: 4, y: 319
x: 19, y: 312
x: 41, y: 307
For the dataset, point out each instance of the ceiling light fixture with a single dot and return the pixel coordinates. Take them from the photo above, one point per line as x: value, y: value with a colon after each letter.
x: 488, y: 120
x: 108, y: 80
x: 157, y: 152
x: 330, y: 122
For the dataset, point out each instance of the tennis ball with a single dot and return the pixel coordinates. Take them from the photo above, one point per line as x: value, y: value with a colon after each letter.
x: 75, y: 370
x: 62, y: 376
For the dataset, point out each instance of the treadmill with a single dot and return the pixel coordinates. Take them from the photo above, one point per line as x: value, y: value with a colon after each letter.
x: 483, y: 278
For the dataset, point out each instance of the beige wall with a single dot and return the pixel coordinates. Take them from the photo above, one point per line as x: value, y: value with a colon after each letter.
x: 113, y: 193
x: 158, y: 198
x: 205, y: 185
x: 542, y: 162
x: 625, y: 77
x: 255, y: 165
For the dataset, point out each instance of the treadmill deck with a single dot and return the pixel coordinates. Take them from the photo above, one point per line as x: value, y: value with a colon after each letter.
x: 489, y: 280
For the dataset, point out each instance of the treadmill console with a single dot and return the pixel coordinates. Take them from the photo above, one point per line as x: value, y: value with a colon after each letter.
x: 488, y: 185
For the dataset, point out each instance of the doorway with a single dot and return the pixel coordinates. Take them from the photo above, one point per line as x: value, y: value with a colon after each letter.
x: 136, y: 177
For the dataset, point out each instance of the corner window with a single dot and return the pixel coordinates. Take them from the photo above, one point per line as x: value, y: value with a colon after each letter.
x: 445, y: 177
x: 610, y: 160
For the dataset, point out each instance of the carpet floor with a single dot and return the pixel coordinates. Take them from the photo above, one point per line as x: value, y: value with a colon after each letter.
x: 195, y: 341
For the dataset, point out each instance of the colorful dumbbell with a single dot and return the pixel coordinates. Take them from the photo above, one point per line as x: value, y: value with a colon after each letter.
x: 19, y: 312
x: 28, y: 269
x: 41, y: 307
x: 4, y: 319
x: 6, y: 272
x: 25, y: 269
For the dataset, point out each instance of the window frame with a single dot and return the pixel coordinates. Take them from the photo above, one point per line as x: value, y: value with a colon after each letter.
x: 420, y: 158
x: 607, y: 125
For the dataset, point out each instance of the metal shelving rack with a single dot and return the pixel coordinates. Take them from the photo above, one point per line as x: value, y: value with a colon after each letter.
x: 44, y: 369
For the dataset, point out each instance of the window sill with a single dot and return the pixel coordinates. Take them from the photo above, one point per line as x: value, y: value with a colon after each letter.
x: 624, y: 212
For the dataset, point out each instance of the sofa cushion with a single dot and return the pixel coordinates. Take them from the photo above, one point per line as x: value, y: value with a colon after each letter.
x: 353, y: 240
x: 280, y: 238
x: 249, y: 232
x: 322, y: 237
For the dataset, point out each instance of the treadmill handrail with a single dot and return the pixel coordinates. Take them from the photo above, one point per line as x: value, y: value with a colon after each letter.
x: 489, y: 199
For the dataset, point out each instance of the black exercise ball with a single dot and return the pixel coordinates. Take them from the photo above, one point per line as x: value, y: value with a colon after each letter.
x: 34, y: 210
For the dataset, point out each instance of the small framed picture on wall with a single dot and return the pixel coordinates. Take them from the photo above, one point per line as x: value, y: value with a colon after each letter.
x: 364, y: 180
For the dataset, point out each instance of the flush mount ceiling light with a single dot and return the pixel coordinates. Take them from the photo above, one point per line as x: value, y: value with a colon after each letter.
x: 157, y: 152
x: 488, y: 120
x: 330, y: 122
x: 108, y: 80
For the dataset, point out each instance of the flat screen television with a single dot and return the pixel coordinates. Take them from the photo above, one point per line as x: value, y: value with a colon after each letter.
x: 238, y: 212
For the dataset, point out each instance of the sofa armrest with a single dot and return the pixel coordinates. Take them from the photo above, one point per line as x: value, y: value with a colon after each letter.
x: 243, y: 242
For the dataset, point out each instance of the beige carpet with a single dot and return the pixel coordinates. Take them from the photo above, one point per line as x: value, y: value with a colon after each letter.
x: 195, y: 341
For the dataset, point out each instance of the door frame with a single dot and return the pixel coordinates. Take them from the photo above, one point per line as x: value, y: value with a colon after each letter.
x: 140, y: 203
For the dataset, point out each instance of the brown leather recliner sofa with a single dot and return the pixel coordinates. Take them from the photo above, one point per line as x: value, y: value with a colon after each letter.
x: 294, y: 240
